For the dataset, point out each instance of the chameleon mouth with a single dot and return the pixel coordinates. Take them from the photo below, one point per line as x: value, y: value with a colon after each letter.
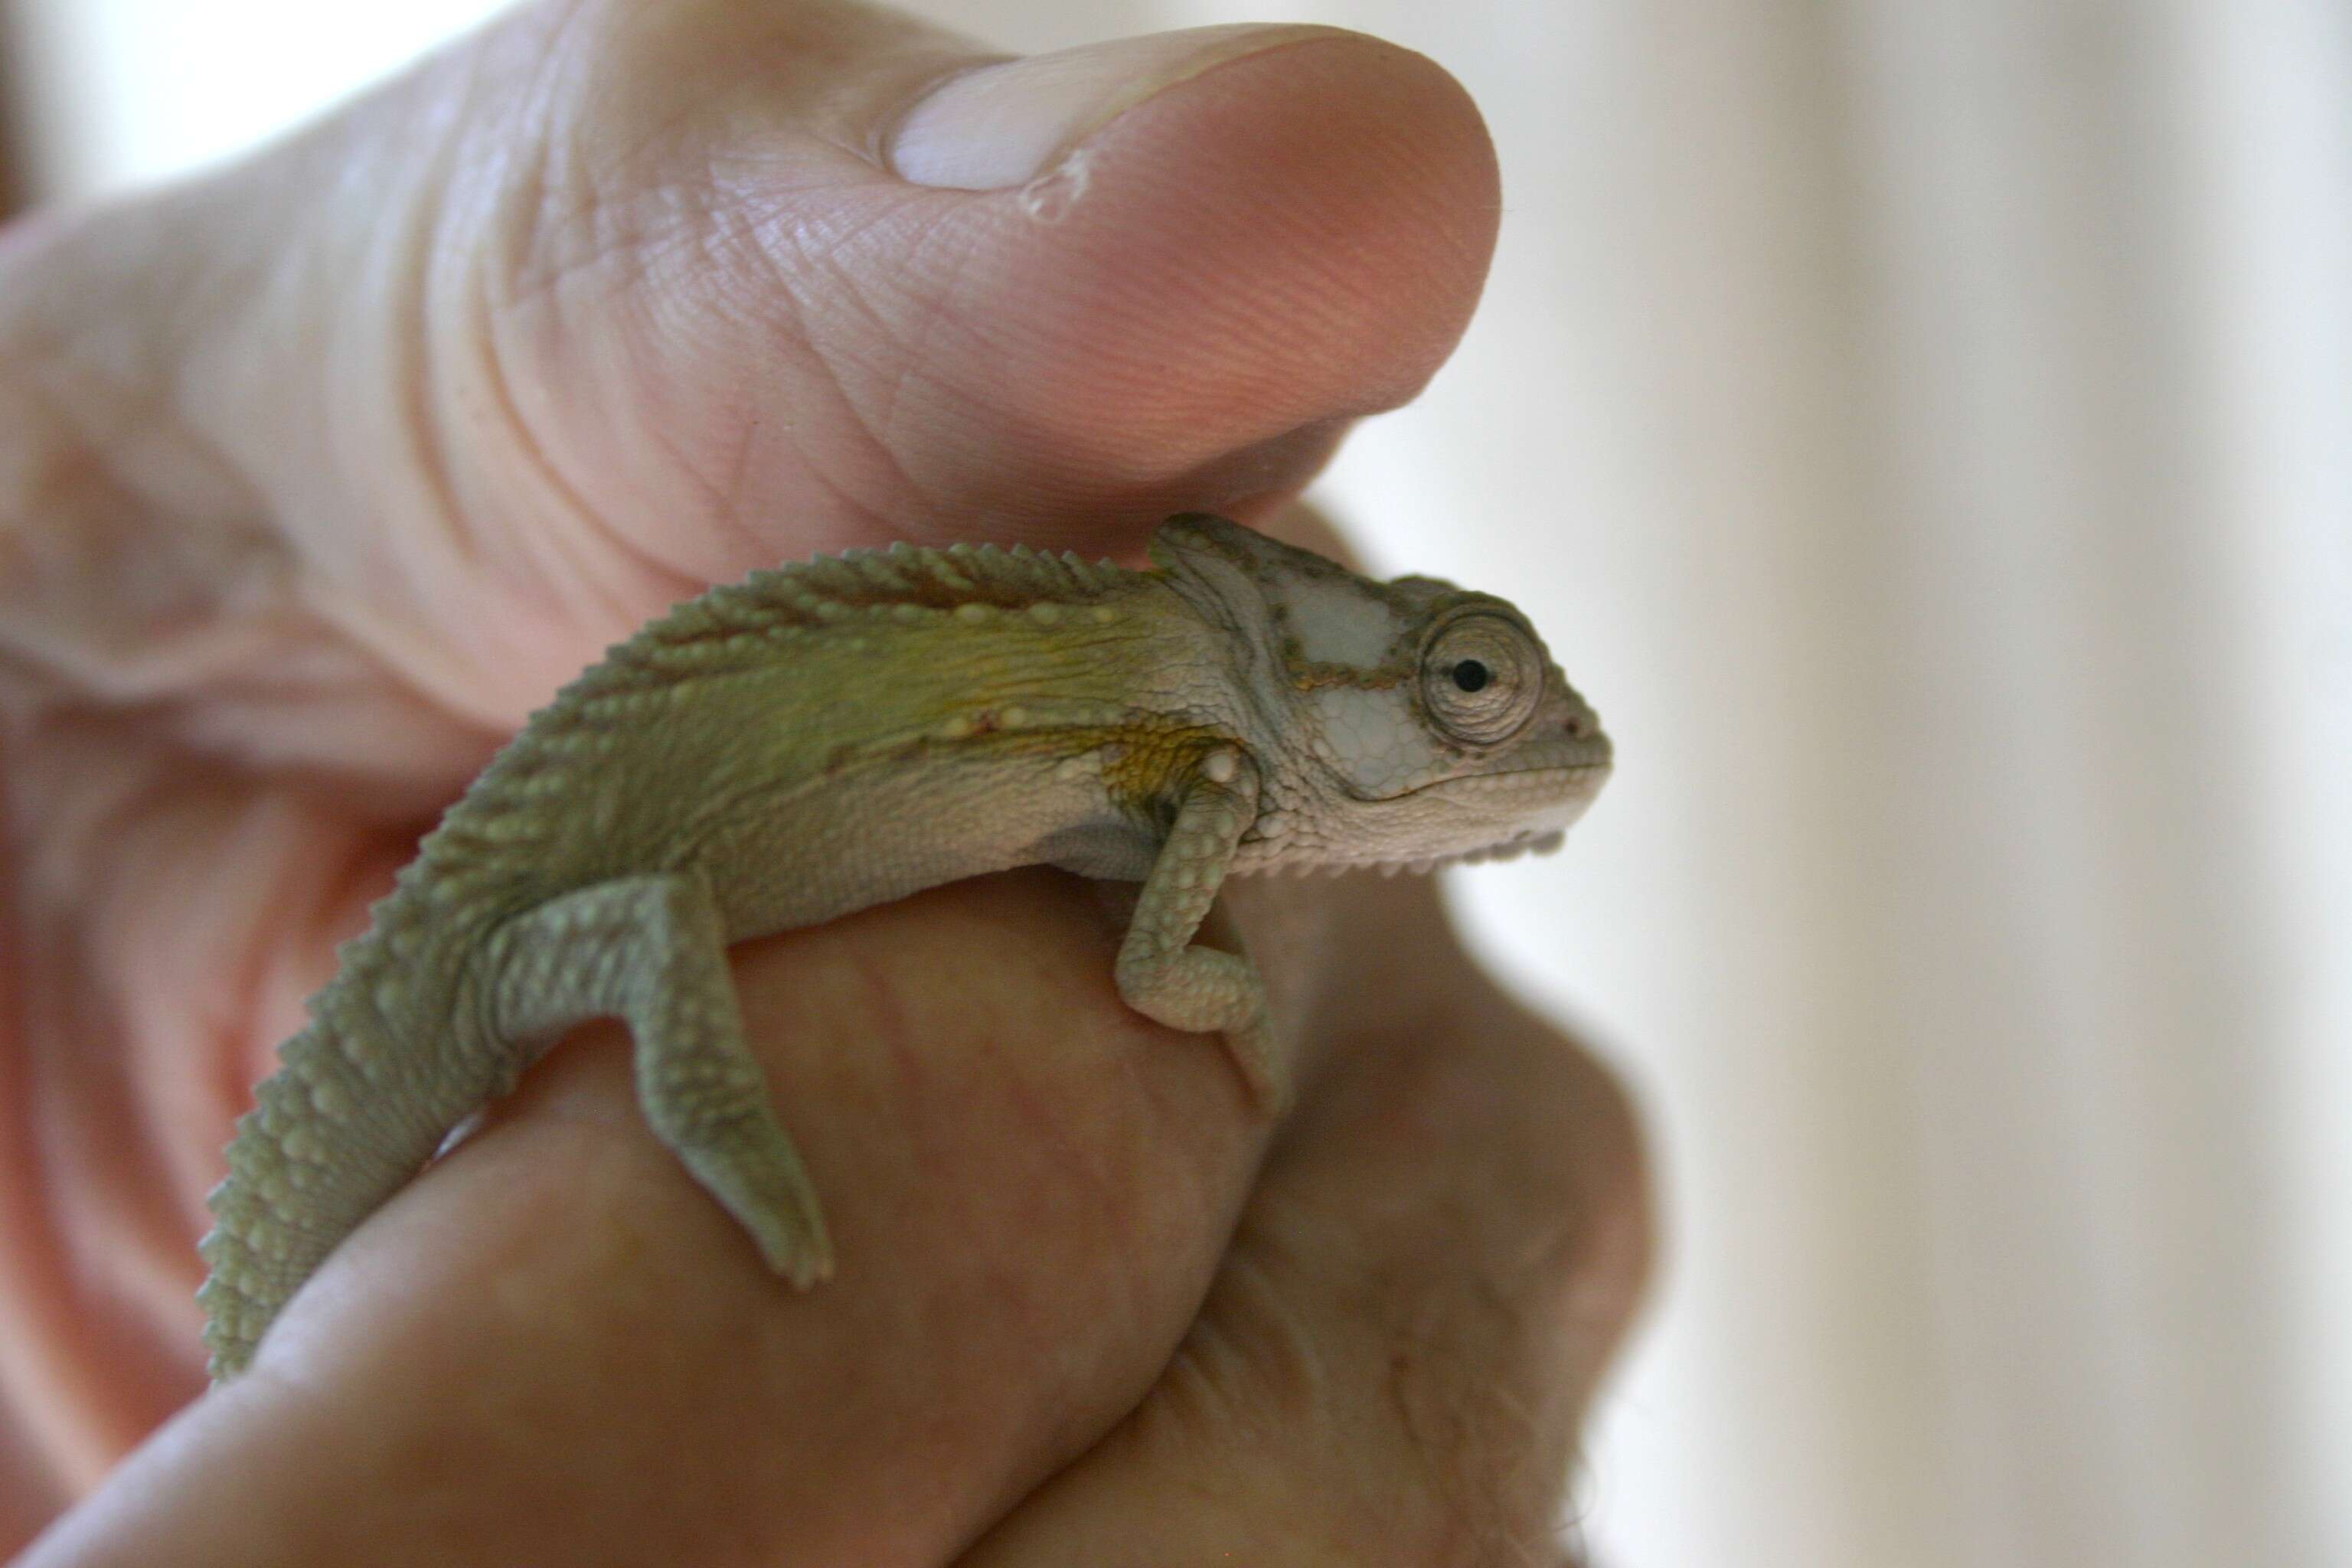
x: 1597, y: 764
x: 1595, y: 768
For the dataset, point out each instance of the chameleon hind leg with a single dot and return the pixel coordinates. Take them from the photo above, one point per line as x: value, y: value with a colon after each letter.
x: 652, y: 950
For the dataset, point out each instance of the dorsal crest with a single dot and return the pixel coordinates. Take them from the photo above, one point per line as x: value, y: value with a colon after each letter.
x: 711, y: 631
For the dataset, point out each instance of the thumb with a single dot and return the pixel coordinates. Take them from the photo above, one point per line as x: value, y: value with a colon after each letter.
x: 1057, y: 296
x: 617, y: 298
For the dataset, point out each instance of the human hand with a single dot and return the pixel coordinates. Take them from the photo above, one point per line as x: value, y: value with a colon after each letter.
x: 318, y: 474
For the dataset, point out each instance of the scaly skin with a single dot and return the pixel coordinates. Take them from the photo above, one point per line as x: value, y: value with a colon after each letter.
x: 837, y: 734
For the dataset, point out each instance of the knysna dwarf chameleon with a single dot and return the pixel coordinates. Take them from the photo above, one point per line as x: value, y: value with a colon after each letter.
x: 832, y: 735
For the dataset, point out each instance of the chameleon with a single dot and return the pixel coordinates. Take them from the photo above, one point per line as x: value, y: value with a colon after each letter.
x: 848, y: 731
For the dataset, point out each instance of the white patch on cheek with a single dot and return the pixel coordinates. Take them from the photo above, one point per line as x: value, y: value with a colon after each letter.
x: 1338, y: 622
x: 1373, y: 738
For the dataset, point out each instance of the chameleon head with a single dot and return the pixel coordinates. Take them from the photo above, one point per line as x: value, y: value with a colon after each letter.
x: 1403, y: 723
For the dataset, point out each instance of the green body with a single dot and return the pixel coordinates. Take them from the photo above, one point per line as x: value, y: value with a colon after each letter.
x: 837, y: 734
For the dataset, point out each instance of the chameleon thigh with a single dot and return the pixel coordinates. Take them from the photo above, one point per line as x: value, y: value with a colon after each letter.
x: 652, y: 950
x: 1161, y: 973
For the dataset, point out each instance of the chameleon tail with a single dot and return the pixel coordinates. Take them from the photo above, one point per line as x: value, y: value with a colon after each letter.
x: 334, y: 1133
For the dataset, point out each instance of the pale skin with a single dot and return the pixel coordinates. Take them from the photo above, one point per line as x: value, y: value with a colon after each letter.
x: 316, y: 477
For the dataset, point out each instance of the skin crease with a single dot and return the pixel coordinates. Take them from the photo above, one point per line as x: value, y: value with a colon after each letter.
x: 317, y: 474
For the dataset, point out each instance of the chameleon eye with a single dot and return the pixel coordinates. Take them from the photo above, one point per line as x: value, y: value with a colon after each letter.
x: 1482, y: 675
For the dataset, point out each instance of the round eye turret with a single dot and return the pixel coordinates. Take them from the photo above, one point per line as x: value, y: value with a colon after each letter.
x: 1482, y: 675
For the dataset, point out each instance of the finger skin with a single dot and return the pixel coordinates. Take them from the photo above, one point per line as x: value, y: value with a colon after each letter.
x: 554, y: 1346
x: 1433, y: 1270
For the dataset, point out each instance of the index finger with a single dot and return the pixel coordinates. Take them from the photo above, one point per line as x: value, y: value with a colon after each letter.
x: 554, y: 1347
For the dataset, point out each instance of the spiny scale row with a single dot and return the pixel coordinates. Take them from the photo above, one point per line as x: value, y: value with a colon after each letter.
x: 941, y: 579
x: 1548, y: 844
x: 906, y: 580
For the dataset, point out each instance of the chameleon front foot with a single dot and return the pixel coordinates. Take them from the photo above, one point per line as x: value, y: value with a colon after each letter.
x: 1263, y: 1067
x: 1203, y: 990
x: 1161, y: 973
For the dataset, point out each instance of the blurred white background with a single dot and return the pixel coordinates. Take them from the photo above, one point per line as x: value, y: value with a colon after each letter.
x: 1926, y: 429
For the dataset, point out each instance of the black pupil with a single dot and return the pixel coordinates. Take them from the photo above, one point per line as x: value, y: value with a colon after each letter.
x: 1471, y: 676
